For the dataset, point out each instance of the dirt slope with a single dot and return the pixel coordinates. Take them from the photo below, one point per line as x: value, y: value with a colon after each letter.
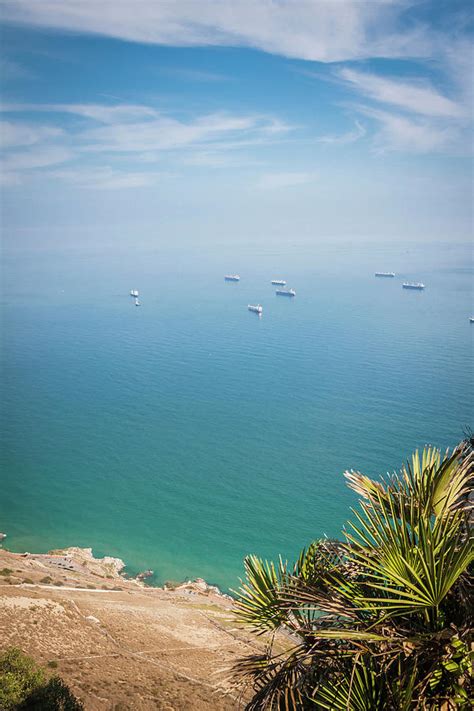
x: 120, y: 645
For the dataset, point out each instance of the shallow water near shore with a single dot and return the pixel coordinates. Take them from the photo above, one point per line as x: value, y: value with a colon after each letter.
x: 188, y: 432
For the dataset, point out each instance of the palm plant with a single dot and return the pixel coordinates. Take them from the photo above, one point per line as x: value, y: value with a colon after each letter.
x: 381, y: 620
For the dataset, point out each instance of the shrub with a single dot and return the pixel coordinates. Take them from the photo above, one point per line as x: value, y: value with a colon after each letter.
x: 23, y: 686
x: 19, y: 676
x: 53, y: 696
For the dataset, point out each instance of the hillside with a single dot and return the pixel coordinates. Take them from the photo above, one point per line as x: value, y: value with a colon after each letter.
x: 118, y: 644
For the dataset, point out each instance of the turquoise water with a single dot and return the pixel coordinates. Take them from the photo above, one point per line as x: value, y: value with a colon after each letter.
x: 187, y: 433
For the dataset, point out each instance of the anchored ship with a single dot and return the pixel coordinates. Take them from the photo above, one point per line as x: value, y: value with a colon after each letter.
x: 384, y: 274
x: 413, y: 285
x: 279, y: 282
x: 471, y: 319
x: 232, y: 277
x: 134, y: 293
x: 257, y: 308
x: 137, y: 303
x: 286, y: 292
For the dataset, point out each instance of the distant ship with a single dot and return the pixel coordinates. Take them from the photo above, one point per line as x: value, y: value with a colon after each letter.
x: 413, y: 285
x: 385, y: 274
x: 279, y: 282
x: 471, y: 319
x: 134, y: 293
x: 232, y: 277
x: 137, y: 303
x: 256, y: 308
x: 286, y: 292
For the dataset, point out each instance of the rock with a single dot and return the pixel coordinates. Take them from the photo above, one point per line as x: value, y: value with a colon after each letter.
x: 200, y: 586
x: 104, y: 567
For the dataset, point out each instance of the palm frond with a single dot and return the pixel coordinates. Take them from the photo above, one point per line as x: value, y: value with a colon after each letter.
x: 381, y: 620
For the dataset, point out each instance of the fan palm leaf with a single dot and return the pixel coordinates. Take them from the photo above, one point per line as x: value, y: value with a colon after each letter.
x: 381, y: 620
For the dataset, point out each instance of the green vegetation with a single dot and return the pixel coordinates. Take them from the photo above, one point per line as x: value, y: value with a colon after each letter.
x: 24, y: 686
x: 6, y: 571
x: 380, y: 621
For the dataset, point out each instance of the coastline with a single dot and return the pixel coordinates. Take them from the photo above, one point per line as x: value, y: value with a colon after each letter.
x: 116, y: 641
x: 75, y: 559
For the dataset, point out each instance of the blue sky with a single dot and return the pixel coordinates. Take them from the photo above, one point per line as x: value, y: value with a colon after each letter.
x: 326, y: 119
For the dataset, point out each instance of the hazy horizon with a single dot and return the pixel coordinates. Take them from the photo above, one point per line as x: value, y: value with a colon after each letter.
x: 237, y: 121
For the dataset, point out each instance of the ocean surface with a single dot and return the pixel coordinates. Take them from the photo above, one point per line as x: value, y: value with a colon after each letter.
x: 189, y: 432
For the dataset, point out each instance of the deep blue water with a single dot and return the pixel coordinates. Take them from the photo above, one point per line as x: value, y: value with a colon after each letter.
x: 183, y: 434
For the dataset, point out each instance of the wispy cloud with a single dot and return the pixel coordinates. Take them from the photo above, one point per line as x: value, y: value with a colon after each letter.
x: 320, y: 30
x: 106, y: 178
x: 413, y: 116
x: 418, y: 97
x: 142, y: 133
x: 166, y: 133
x: 37, y: 157
x: 15, y: 164
x: 24, y: 134
x: 400, y: 133
x: 274, y: 181
x: 344, y: 139
x: 102, y: 113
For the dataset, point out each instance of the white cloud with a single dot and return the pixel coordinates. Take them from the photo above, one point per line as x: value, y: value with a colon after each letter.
x: 120, y: 131
x: 272, y: 181
x: 399, y: 133
x: 101, y: 113
x: 37, y: 157
x: 419, y: 97
x: 345, y: 138
x: 23, y: 134
x: 319, y: 30
x: 207, y: 140
x: 14, y: 165
x: 106, y: 178
x: 166, y: 133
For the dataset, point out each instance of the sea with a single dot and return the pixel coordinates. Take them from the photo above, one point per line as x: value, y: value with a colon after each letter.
x: 187, y: 433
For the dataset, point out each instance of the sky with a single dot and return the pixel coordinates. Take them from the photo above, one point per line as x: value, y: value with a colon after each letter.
x: 224, y: 120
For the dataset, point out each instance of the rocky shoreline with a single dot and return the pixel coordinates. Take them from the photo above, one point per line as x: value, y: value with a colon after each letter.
x: 82, y: 560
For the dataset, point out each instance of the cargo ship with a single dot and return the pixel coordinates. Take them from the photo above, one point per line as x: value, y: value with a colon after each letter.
x: 232, y: 277
x: 256, y: 308
x: 384, y: 274
x: 286, y: 292
x: 413, y: 285
x: 134, y: 293
x: 279, y: 282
